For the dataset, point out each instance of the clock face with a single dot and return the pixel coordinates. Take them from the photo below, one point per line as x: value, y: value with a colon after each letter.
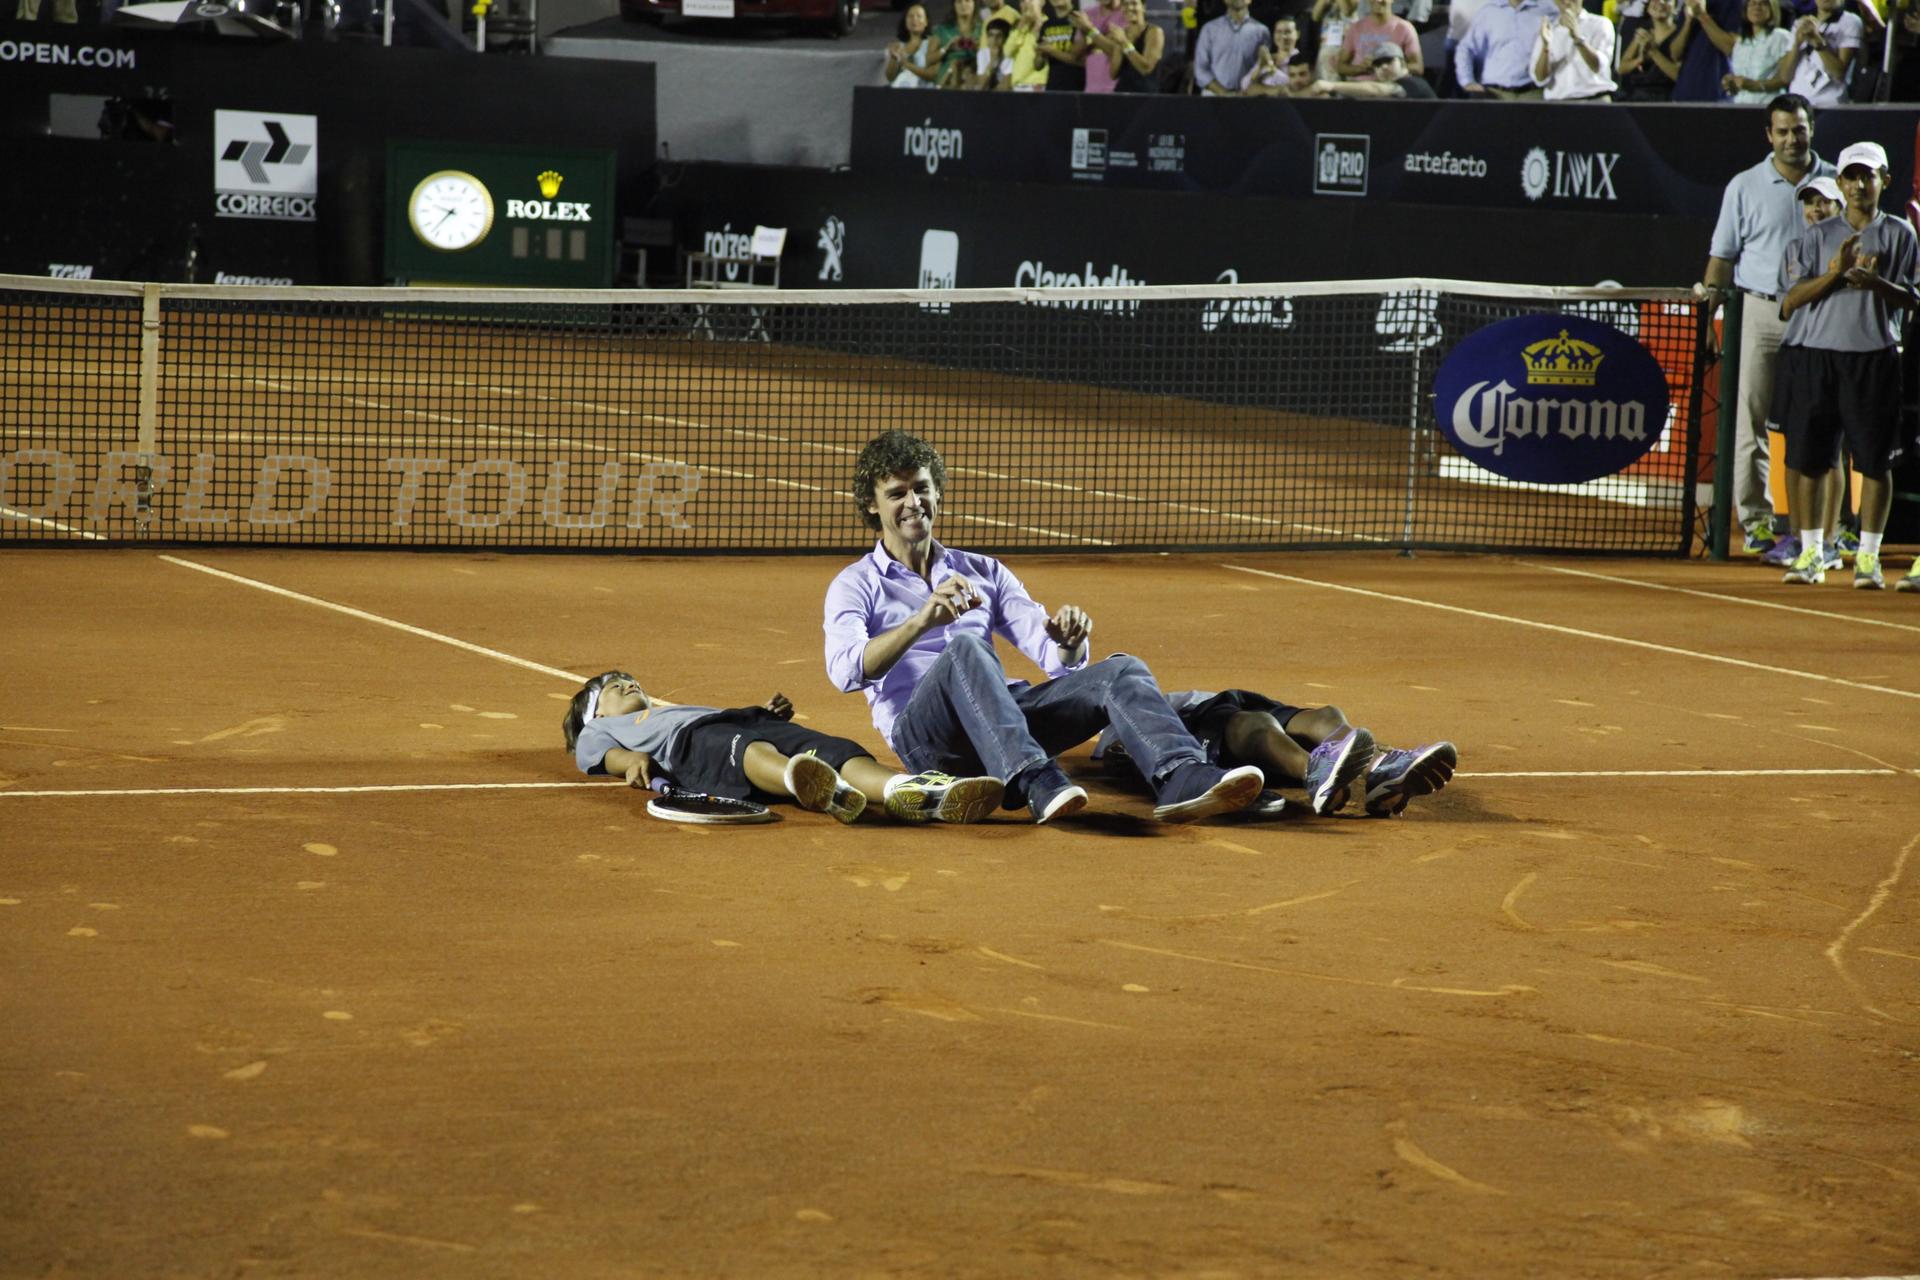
x: 450, y: 210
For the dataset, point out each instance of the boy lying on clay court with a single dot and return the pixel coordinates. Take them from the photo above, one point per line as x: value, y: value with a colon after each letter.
x: 1311, y: 747
x: 756, y: 753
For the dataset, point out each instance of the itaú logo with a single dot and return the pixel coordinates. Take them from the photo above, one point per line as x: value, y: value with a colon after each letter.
x: 1486, y: 417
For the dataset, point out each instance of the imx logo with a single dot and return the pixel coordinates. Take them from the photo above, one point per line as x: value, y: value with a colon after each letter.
x: 1569, y: 175
x: 1340, y: 163
x: 265, y: 166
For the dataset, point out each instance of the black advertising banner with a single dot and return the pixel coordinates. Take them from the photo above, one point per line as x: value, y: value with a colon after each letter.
x: 845, y: 230
x: 1615, y: 159
x: 180, y: 156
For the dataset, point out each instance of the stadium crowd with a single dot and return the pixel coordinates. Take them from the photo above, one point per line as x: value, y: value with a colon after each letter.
x: 1731, y: 51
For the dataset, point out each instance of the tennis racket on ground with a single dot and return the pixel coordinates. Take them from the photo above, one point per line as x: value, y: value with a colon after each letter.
x: 675, y: 805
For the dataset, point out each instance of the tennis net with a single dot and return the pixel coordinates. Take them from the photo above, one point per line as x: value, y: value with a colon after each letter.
x: 1247, y: 416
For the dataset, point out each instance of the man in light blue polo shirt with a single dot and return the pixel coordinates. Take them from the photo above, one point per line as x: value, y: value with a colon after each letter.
x: 1760, y: 216
x: 1227, y: 50
x: 1495, y: 58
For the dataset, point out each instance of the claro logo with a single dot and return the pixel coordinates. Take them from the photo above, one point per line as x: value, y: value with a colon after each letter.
x: 932, y: 144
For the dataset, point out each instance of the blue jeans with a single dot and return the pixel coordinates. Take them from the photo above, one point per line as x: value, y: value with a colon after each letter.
x: 964, y: 718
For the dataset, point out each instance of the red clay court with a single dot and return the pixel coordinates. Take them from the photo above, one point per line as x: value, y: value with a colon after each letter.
x: 325, y: 962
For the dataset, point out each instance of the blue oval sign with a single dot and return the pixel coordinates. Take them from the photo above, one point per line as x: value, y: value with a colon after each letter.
x: 1551, y: 399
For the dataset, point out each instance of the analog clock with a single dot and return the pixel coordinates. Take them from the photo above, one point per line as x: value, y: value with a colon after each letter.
x: 450, y: 210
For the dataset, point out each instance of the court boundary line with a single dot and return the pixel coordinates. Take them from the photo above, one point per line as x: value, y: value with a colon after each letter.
x: 297, y: 791
x: 1715, y: 595
x: 365, y: 616
x: 1578, y: 632
x: 375, y: 788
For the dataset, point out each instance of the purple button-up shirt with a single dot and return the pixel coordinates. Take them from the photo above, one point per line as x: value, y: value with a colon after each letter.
x: 876, y: 593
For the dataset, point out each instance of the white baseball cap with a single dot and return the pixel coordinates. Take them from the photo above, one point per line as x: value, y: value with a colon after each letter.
x: 1871, y: 154
x: 1822, y: 186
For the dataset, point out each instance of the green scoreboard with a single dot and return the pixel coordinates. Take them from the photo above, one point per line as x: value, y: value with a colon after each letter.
x: 461, y: 213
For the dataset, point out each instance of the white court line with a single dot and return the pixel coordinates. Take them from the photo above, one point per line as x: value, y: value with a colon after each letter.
x: 364, y: 616
x: 299, y: 791
x: 1673, y: 650
x: 1715, y: 595
x: 1693, y: 773
x: 9, y: 513
x: 552, y: 786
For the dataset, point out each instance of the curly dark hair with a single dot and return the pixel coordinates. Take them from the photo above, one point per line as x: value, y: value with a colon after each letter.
x: 892, y: 454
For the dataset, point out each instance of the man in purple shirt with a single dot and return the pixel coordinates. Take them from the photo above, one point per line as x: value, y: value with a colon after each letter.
x: 911, y: 625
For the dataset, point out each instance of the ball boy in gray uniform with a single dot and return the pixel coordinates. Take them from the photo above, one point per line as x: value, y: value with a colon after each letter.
x: 1845, y: 283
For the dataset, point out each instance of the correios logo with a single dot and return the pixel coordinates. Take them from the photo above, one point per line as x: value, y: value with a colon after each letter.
x: 265, y: 165
x: 931, y: 144
x: 1569, y: 175
x: 1551, y: 399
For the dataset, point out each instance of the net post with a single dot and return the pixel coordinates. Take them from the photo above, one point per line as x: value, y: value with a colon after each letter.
x: 1726, y: 426
x: 1413, y: 442
x: 149, y: 405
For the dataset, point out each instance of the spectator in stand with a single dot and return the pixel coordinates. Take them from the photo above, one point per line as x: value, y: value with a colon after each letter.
x: 1573, y: 61
x: 1651, y: 50
x: 1704, y: 67
x: 1300, y: 78
x: 1366, y: 36
x: 1906, y: 54
x: 1098, y: 21
x: 1460, y: 16
x: 1755, y: 55
x: 1062, y: 48
x: 1496, y: 57
x: 1390, y: 79
x: 1133, y: 50
x: 1228, y: 51
x: 956, y: 43
x: 1331, y: 18
x: 907, y: 65
x: 1825, y: 43
x: 993, y: 66
x: 1268, y: 78
x: 1023, y: 47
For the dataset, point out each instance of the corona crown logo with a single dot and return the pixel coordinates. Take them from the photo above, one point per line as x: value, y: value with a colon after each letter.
x: 550, y: 183
x: 1562, y: 362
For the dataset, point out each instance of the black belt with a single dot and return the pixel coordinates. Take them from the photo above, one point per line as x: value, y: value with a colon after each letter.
x: 1764, y: 297
x: 1515, y: 88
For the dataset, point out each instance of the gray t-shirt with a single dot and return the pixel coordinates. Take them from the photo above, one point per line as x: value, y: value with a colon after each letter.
x: 1848, y: 319
x: 658, y: 731
x: 1759, y: 216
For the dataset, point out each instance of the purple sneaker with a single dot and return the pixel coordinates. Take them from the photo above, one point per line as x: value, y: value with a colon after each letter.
x: 1399, y: 775
x: 1195, y: 791
x: 1334, y: 766
x: 1784, y: 552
